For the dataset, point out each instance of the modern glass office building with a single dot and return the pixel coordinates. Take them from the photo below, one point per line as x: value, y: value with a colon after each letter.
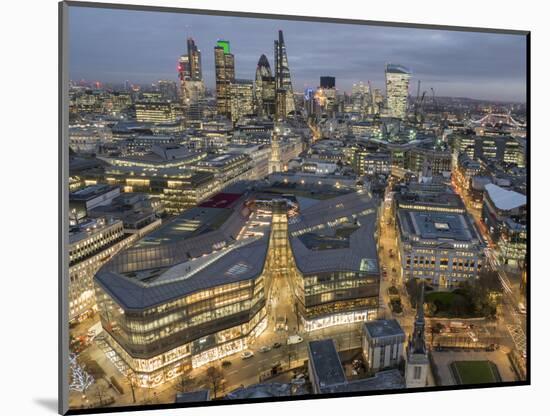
x: 196, y: 290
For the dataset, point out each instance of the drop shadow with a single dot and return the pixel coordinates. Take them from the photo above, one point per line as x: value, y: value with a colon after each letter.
x: 47, y: 403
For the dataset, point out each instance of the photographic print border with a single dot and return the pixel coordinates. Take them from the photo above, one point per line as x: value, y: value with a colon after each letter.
x: 63, y: 195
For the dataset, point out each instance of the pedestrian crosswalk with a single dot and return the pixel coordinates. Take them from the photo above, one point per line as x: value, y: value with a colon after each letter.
x: 518, y: 336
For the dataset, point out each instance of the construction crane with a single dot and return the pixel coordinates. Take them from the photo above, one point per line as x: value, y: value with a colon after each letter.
x: 433, y: 99
x: 419, y: 110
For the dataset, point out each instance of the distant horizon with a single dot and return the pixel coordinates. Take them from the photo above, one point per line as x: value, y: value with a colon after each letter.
x: 112, y: 46
x: 212, y: 89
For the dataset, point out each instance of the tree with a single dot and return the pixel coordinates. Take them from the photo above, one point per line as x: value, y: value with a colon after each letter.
x: 133, y: 382
x: 214, y: 376
x: 80, y: 379
x: 184, y: 383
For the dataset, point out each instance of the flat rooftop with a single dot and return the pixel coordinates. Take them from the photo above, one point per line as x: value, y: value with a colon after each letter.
x: 192, y: 222
x: 326, y: 363
x: 384, y: 328
x: 91, y: 192
x: 437, y: 225
x: 383, y: 380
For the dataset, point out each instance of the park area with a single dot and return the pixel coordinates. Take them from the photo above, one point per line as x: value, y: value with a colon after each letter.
x: 475, y: 372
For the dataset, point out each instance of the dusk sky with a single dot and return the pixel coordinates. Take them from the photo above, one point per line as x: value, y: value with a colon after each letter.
x: 143, y: 47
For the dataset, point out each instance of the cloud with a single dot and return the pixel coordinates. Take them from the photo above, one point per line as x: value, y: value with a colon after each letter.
x: 115, y: 45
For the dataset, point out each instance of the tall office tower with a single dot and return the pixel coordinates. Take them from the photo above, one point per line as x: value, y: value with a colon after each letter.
x: 360, y: 97
x: 225, y: 75
x: 242, y: 98
x: 328, y: 82
x: 268, y: 96
x: 263, y: 71
x: 416, y: 368
x: 397, y: 90
x: 195, y: 66
x: 283, y: 83
x: 183, y: 75
x: 309, y: 100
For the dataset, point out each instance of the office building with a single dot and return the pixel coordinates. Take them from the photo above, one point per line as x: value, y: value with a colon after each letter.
x: 440, y: 247
x: 197, y: 289
x: 195, y: 64
x: 397, y: 90
x: 241, y: 98
x: 283, y: 83
x: 504, y: 213
x: 91, y: 243
x: 382, y: 343
x: 156, y: 112
x: 264, y: 88
x: 326, y: 373
x: 225, y: 75
x: 139, y: 213
x: 429, y: 160
x: 82, y: 201
x: 327, y: 82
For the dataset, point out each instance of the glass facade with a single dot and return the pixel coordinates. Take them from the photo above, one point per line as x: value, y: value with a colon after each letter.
x: 199, y: 327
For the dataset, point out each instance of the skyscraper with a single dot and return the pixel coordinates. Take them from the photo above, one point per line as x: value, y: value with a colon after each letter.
x: 241, y: 98
x: 195, y: 66
x: 397, y: 90
x: 360, y: 94
x: 225, y: 75
x: 183, y: 68
x: 263, y: 75
x: 328, y: 82
x: 190, y: 75
x: 283, y: 83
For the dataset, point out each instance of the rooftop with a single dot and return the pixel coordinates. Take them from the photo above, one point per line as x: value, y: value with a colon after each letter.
x: 231, y: 265
x: 91, y: 192
x: 326, y: 363
x: 504, y: 199
x: 383, y: 380
x: 336, y: 234
x: 384, y: 328
x: 397, y: 69
x: 192, y: 222
x: 436, y: 225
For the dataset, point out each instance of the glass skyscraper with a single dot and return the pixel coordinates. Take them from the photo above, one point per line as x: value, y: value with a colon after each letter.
x: 397, y: 90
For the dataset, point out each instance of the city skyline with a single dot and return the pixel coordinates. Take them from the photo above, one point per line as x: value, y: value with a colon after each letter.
x: 459, y: 64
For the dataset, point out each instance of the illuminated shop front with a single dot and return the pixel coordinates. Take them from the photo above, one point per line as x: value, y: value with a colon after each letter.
x: 339, y: 319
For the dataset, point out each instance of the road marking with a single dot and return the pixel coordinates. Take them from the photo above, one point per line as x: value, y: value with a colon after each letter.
x: 518, y: 336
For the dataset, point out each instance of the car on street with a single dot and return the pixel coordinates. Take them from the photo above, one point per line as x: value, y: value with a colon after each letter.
x: 294, y: 339
x: 265, y: 348
x: 522, y: 308
x: 473, y: 336
x: 298, y: 381
x: 277, y: 345
x: 247, y: 354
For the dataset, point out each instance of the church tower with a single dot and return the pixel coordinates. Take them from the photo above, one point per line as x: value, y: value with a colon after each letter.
x: 417, y: 366
x: 275, y: 163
